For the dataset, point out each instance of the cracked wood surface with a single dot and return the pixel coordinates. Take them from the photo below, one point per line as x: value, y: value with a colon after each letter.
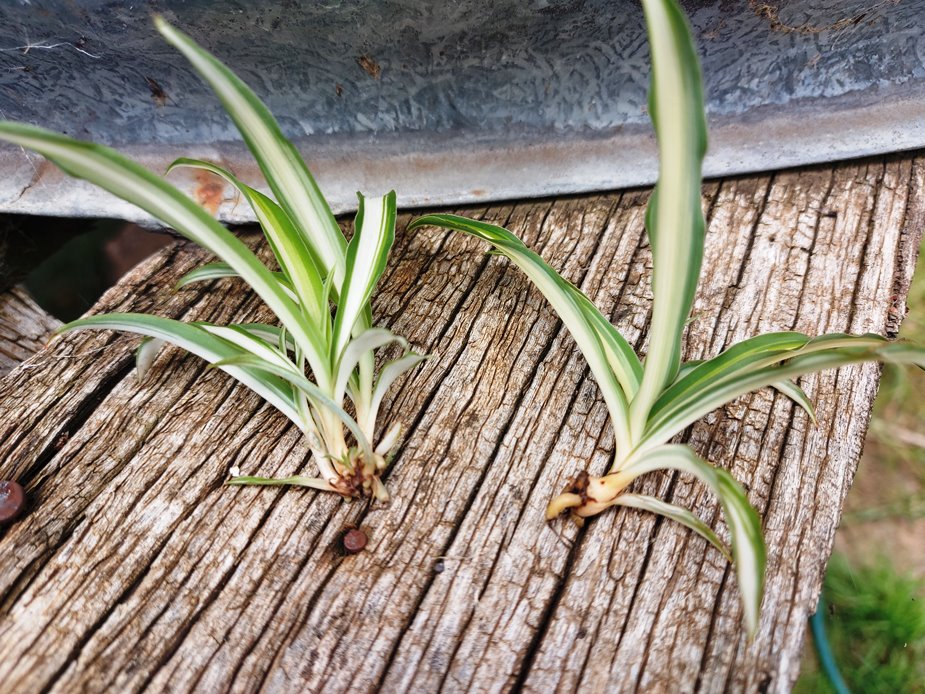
x: 24, y: 328
x: 136, y: 569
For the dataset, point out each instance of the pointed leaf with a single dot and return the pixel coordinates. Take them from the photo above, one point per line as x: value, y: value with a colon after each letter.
x: 675, y: 513
x: 321, y: 399
x: 194, y: 339
x: 744, y: 524
x: 297, y: 480
x: 218, y: 271
x: 294, y: 256
x: 366, y: 259
x: 145, y: 355
x: 795, y: 393
x: 570, y: 305
x: 675, y: 416
x: 283, y: 167
x: 124, y: 178
x: 387, y: 376
x: 367, y: 341
x: 674, y: 218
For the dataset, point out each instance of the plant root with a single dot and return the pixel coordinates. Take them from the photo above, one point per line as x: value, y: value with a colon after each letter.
x: 587, y: 496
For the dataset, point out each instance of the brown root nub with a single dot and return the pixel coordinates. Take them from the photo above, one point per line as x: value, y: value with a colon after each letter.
x: 354, y: 541
x: 359, y: 480
x: 12, y: 500
x: 588, y: 496
x: 579, y: 485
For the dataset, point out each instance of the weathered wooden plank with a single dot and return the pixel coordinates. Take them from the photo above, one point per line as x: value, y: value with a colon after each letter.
x: 24, y: 328
x: 136, y: 568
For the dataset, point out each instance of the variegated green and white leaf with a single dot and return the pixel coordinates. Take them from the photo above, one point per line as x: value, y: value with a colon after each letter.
x: 250, y: 343
x: 367, y: 341
x: 293, y: 254
x: 198, y: 341
x: 571, y: 306
x: 675, y: 416
x: 366, y: 258
x: 795, y: 393
x: 674, y: 218
x: 315, y: 394
x: 219, y: 271
x: 623, y: 360
x: 675, y: 513
x: 285, y: 171
x: 685, y: 368
x: 125, y: 179
x: 744, y: 524
x: 387, y: 376
x: 269, y: 333
x: 295, y: 481
x: 741, y: 357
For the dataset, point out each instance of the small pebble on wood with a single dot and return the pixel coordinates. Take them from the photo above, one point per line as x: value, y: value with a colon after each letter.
x: 12, y: 500
x: 354, y: 541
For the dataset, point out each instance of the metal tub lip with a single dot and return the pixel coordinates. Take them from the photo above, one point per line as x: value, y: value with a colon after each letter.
x: 444, y: 115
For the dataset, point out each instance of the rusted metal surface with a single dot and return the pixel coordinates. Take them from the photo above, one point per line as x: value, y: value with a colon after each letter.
x: 462, y: 102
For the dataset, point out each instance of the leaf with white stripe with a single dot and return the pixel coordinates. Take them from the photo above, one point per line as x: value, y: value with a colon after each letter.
x: 367, y: 341
x: 282, y: 165
x: 366, y: 258
x: 126, y: 179
x: 674, y: 219
x: 744, y: 524
x: 295, y: 481
x: 570, y: 305
x: 269, y: 333
x: 299, y: 381
x: 219, y: 271
x: 744, y: 356
x: 294, y: 256
x: 795, y: 393
x: 251, y: 343
x: 389, y: 373
x: 675, y: 513
x: 193, y: 338
x: 677, y: 415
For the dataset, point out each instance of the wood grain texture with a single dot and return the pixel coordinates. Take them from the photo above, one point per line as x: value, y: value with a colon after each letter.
x: 24, y: 328
x: 137, y: 570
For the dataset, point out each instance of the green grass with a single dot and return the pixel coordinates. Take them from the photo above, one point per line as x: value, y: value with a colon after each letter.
x: 876, y: 625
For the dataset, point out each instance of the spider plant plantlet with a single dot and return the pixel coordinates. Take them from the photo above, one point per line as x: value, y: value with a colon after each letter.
x: 653, y: 401
x: 317, y: 268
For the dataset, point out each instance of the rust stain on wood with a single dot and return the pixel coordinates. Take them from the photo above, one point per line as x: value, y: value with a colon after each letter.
x: 209, y: 191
